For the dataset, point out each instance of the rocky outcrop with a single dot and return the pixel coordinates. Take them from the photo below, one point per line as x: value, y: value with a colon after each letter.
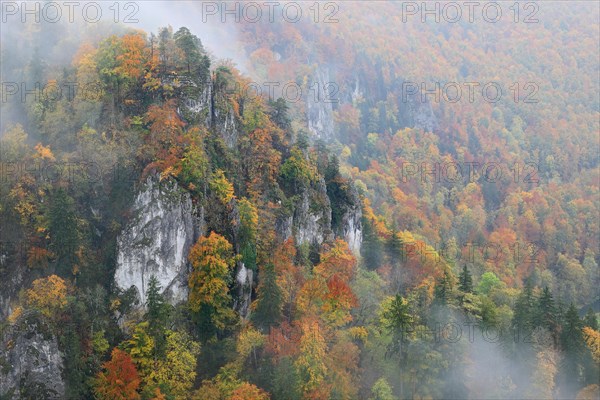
x: 351, y: 226
x: 311, y: 219
x: 196, y: 102
x: 12, y: 275
x: 422, y: 114
x: 200, y: 103
x: 312, y: 216
x: 244, y: 280
x: 157, y: 241
x: 319, y: 110
x: 224, y: 123
x: 30, y: 362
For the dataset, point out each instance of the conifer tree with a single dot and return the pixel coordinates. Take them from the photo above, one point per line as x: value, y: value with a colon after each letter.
x: 465, y: 280
x: 269, y: 301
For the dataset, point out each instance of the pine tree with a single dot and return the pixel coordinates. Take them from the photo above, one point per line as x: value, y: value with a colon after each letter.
x: 443, y: 288
x: 279, y: 113
x: 372, y: 247
x: 395, y: 248
x: 573, y: 346
x: 63, y: 231
x: 571, y: 337
x: 157, y: 315
x: 270, y: 300
x: 522, y: 322
x: 545, y: 315
x: 590, y: 319
x: 465, y: 280
x: 190, y: 46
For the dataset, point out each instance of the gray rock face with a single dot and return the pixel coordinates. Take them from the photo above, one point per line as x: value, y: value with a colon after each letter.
x: 11, y: 281
x: 196, y: 102
x: 199, y: 103
x: 157, y: 241
x: 423, y: 116
x: 352, y: 228
x: 311, y: 220
x: 244, y: 281
x: 30, y: 362
x: 319, y: 110
x: 224, y: 123
x: 312, y: 216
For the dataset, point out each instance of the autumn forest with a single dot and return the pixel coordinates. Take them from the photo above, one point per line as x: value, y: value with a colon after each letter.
x: 330, y: 200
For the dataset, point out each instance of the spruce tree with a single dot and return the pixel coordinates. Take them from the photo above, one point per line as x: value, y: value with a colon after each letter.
x: 372, y: 247
x: 269, y: 301
x: 157, y: 315
x: 465, y: 281
x: 279, y: 113
x: 64, y: 237
x: 522, y: 321
x: 573, y: 347
x: 590, y: 319
x: 443, y: 288
x: 394, y: 248
x: 545, y: 315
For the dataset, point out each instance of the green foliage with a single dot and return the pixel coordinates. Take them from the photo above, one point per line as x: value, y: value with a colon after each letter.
x: 465, y: 281
x: 270, y: 300
x: 63, y: 230
x: 177, y: 370
x: 247, y: 232
x: 382, y: 390
x: 372, y: 246
x: 488, y: 282
x: 194, y: 57
x: 296, y: 173
x: 157, y: 315
x: 394, y: 248
x: 212, y: 263
x: 194, y: 167
x: 396, y: 316
x: 444, y: 287
x: 221, y: 187
x: 279, y: 113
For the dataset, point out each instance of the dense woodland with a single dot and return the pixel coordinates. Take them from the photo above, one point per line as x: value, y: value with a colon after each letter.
x: 512, y: 262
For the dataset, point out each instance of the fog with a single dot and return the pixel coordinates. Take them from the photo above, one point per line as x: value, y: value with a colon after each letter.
x: 374, y: 132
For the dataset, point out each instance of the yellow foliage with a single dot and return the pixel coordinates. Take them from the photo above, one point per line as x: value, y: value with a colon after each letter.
x: 592, y: 338
x: 43, y: 153
x: 49, y: 295
x: 249, y: 340
x: 178, y: 369
x: 14, y: 316
x: 359, y: 333
x: 221, y: 186
x: 311, y: 366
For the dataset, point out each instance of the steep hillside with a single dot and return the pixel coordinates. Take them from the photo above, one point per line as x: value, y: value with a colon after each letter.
x: 358, y: 215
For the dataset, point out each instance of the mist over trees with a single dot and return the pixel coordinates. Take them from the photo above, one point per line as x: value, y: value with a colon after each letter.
x: 355, y: 266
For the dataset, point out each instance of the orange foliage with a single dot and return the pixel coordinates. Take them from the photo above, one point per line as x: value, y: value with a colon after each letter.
x: 119, y: 380
x: 247, y: 391
x: 131, y: 59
